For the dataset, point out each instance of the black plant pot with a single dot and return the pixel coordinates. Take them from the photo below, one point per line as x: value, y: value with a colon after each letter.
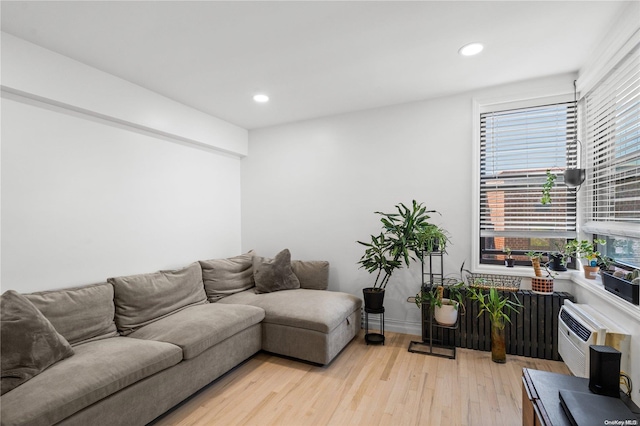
x: 574, y: 177
x: 509, y: 262
x: 373, y: 298
x: 622, y: 288
x: 556, y: 263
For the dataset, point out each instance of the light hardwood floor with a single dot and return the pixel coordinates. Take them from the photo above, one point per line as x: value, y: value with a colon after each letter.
x: 365, y: 385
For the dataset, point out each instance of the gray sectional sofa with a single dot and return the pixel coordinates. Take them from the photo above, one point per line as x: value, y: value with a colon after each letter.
x: 133, y: 347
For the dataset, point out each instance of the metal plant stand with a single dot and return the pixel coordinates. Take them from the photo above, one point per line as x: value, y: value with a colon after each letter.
x: 373, y: 338
x: 433, y: 277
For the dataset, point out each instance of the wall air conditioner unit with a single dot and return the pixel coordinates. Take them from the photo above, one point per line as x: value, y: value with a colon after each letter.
x: 580, y: 326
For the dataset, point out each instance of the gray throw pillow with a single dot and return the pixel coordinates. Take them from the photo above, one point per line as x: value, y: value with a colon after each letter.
x: 30, y: 344
x: 223, y: 277
x: 274, y: 274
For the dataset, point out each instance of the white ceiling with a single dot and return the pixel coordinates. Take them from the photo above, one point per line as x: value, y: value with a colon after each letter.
x: 314, y: 58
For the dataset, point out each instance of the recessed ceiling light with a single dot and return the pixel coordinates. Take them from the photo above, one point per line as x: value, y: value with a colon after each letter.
x: 261, y: 98
x: 471, y: 49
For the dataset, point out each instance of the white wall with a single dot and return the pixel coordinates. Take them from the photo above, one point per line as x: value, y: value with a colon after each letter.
x: 38, y: 73
x: 313, y: 186
x: 89, y: 190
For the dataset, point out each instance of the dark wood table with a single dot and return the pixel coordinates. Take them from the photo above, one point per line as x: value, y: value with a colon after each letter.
x: 541, y: 401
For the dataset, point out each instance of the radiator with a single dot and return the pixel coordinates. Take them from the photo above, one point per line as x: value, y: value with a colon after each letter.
x: 533, y: 331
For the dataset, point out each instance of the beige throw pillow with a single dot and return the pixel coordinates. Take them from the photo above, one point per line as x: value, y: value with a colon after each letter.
x: 142, y: 299
x: 80, y: 314
x: 274, y: 274
x: 223, y: 277
x: 30, y: 344
x: 313, y: 274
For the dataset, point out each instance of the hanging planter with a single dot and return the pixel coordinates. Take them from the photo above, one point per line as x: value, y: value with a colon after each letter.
x: 574, y: 177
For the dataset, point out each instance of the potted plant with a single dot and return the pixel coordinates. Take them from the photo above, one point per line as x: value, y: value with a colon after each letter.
x: 540, y: 284
x: 445, y: 310
x: 558, y: 258
x: 587, y: 250
x: 495, y: 303
x: 623, y: 283
x: 508, y: 261
x: 433, y: 238
x: 402, y: 239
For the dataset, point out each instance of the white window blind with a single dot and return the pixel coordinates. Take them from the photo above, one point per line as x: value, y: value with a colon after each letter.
x: 517, y: 147
x: 612, y: 128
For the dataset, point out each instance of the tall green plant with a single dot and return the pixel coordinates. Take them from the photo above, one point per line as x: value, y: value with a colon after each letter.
x: 403, y: 237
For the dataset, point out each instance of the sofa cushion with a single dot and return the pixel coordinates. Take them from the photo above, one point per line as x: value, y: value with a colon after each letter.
x: 142, y: 299
x: 310, y: 309
x: 80, y: 314
x: 274, y: 274
x: 312, y: 274
x: 198, y: 328
x: 223, y: 277
x: 97, y: 370
x: 30, y: 344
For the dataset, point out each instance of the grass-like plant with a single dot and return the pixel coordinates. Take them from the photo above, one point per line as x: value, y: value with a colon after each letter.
x: 495, y: 304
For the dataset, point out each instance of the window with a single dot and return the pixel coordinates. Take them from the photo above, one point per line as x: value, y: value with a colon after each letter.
x: 517, y: 147
x: 611, y: 120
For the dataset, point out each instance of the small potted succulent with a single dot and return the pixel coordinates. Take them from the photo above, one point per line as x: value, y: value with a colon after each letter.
x: 509, y: 260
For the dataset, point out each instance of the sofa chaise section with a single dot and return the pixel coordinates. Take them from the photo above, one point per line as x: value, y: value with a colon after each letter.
x: 312, y: 325
x: 302, y: 319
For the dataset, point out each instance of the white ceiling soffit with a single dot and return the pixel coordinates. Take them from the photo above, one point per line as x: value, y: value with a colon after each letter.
x: 314, y: 58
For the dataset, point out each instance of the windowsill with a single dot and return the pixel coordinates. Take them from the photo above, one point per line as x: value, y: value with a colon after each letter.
x: 596, y: 287
x: 518, y: 271
x: 577, y: 277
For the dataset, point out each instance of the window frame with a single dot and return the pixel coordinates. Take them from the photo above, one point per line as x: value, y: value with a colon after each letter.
x: 594, y: 222
x: 551, y: 94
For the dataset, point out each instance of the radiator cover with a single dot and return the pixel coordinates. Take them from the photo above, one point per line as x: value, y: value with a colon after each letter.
x: 533, y: 331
